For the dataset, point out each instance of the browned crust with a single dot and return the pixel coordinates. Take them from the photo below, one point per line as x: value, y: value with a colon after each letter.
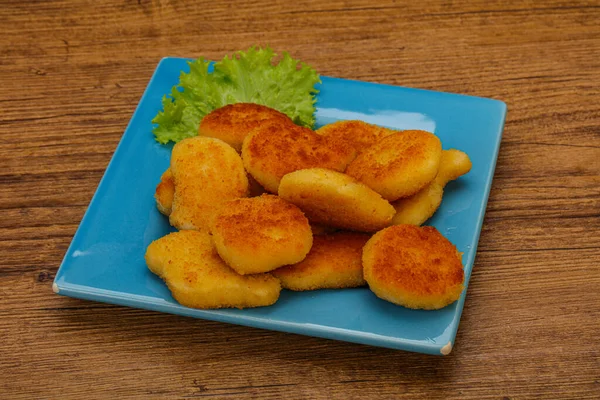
x: 274, y: 150
x: 207, y: 172
x: 414, y: 261
x: 233, y: 122
x: 356, y: 134
x: 247, y: 224
x: 398, y: 165
x: 333, y: 262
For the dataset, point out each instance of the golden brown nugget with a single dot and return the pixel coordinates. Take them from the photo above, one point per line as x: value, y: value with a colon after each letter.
x: 260, y: 234
x: 335, y: 199
x: 421, y: 206
x: 273, y: 150
x: 398, y: 165
x: 334, y: 262
x: 415, y: 267
x: 357, y: 134
x: 197, y: 277
x: 165, y: 190
x: 233, y: 122
x: 454, y: 164
x: 206, y: 172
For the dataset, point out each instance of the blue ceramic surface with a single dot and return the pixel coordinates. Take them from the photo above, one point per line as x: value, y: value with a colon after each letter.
x: 105, y: 261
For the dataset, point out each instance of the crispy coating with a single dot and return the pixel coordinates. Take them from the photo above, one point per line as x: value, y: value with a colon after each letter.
x: 334, y: 262
x: 260, y: 234
x: 398, y: 165
x: 335, y: 199
x: 421, y: 206
x: 165, y: 190
x: 415, y: 267
x: 207, y: 172
x: 276, y: 149
x: 197, y: 277
x: 357, y: 134
x: 233, y: 122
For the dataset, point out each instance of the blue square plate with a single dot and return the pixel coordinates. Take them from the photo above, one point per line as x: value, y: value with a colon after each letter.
x: 105, y: 261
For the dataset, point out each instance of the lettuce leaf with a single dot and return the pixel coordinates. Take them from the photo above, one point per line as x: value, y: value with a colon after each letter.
x: 249, y: 77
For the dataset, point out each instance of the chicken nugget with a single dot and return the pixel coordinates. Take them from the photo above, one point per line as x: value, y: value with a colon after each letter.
x: 334, y: 262
x: 165, y: 190
x: 421, y: 206
x: 233, y: 122
x: 357, y: 134
x: 260, y: 234
x: 398, y: 165
x: 197, y: 277
x: 454, y: 164
x: 276, y: 149
x: 335, y: 199
x: 415, y: 267
x: 206, y: 172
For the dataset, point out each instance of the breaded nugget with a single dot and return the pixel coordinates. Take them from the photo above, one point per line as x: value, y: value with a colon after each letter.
x: 454, y: 164
x: 260, y: 234
x: 357, y: 134
x: 419, y: 207
x: 165, y: 190
x: 334, y: 262
x: 398, y: 165
x: 197, y: 277
x: 276, y: 149
x: 335, y: 199
x: 415, y: 267
x: 233, y: 122
x: 206, y: 172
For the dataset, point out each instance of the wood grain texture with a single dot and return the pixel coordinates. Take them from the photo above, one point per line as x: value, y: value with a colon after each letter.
x: 72, y: 73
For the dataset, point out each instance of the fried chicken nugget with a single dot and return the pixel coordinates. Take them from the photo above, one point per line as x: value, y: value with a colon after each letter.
x: 357, y: 134
x: 454, y: 164
x: 398, y: 165
x: 233, y: 122
x: 276, y: 149
x: 206, y: 172
x: 334, y: 262
x: 197, y: 277
x: 421, y: 206
x: 260, y: 234
x: 415, y: 267
x: 165, y: 190
x: 335, y: 199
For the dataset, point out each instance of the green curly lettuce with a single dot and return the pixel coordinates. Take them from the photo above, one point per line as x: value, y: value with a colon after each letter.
x: 249, y: 77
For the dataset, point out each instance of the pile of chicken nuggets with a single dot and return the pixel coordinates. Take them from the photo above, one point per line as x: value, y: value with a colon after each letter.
x: 262, y: 204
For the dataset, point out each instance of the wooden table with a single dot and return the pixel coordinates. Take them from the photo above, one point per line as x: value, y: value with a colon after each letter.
x: 72, y: 73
